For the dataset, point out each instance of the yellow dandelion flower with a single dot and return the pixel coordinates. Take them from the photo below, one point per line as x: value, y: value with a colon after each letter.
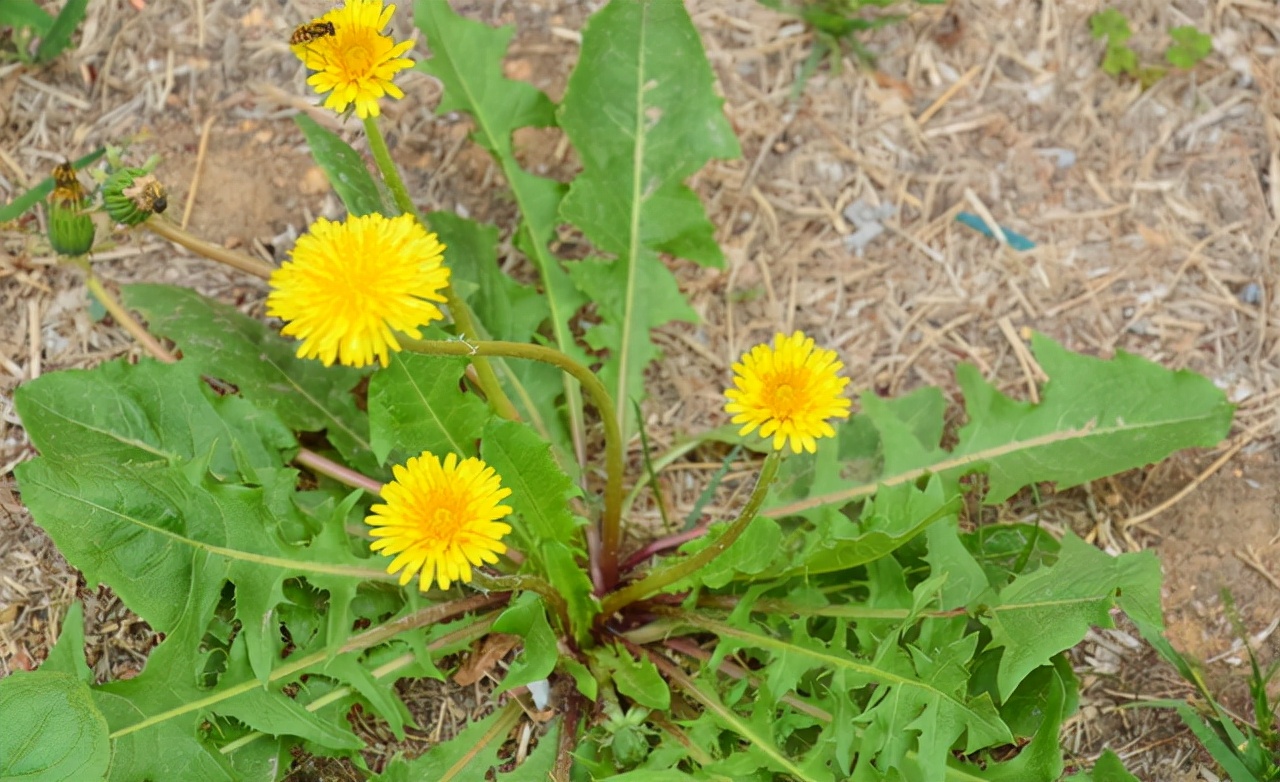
x: 353, y: 61
x: 349, y: 287
x: 789, y: 391
x: 440, y: 520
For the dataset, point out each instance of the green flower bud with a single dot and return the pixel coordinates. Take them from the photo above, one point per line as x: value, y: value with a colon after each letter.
x: 630, y: 747
x: 131, y: 195
x: 70, y: 226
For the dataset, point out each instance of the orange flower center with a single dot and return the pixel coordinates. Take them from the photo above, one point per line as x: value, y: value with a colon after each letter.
x: 358, y: 60
x: 441, y: 523
x: 783, y: 400
x: 359, y: 54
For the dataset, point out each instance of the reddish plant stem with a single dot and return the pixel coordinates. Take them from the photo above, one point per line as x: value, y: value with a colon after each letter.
x: 663, y: 544
x: 344, y: 475
x: 669, y: 574
x: 568, y: 738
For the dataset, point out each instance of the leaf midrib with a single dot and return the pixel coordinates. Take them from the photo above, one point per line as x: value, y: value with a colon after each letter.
x: 108, y: 433
x: 621, y: 398
x: 743, y: 728
x: 316, y: 403
x: 264, y: 356
x: 280, y: 563
x: 454, y: 445
x: 972, y: 459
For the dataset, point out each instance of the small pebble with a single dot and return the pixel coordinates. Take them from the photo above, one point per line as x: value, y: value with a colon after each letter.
x: 867, y: 219
x: 1061, y: 156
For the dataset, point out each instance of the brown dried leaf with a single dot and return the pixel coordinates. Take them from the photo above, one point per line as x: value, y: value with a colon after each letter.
x: 492, y: 649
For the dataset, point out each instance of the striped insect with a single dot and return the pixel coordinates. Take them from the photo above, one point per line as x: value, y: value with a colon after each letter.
x: 304, y: 34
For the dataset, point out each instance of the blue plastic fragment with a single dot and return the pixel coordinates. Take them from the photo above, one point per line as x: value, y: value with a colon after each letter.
x: 1016, y: 240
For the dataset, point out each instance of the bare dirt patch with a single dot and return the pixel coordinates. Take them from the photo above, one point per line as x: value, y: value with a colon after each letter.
x: 1225, y: 537
x: 1221, y: 545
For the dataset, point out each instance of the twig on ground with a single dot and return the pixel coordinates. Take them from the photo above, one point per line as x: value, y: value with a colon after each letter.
x: 1244, y: 439
x: 199, y: 168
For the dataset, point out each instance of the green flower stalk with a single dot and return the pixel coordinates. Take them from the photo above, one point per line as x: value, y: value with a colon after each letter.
x: 70, y: 226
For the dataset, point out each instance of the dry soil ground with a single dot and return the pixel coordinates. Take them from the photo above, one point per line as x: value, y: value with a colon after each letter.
x: 1154, y: 213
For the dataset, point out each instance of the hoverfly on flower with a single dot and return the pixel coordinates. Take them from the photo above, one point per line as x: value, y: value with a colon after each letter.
x: 306, y: 33
x: 353, y: 60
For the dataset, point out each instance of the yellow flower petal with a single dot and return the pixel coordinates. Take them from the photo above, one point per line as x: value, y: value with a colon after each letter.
x: 788, y: 391
x: 440, y: 519
x: 350, y: 287
x: 356, y: 64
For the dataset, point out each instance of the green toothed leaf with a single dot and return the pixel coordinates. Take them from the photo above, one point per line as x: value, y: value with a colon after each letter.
x: 642, y: 111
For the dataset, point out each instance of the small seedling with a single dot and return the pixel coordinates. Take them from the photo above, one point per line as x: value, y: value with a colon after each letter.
x: 1189, y: 47
x: 1243, y: 749
x: 1112, y: 26
x: 835, y: 25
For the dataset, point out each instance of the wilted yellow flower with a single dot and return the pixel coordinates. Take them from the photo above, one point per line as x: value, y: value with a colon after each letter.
x: 355, y: 62
x: 132, y: 195
x: 789, y: 391
x: 351, y: 286
x: 70, y: 227
x: 440, y: 520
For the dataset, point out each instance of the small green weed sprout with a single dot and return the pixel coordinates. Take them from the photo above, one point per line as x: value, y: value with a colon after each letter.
x: 1112, y: 26
x: 836, y: 25
x: 1189, y: 47
x: 1243, y: 749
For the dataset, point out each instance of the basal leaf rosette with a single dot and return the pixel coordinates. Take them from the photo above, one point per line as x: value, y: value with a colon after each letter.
x: 355, y: 64
x: 350, y: 287
x: 788, y: 390
x: 440, y: 519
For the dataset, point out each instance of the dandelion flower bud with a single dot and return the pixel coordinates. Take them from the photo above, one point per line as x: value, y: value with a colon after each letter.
x: 131, y: 195
x: 70, y: 226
